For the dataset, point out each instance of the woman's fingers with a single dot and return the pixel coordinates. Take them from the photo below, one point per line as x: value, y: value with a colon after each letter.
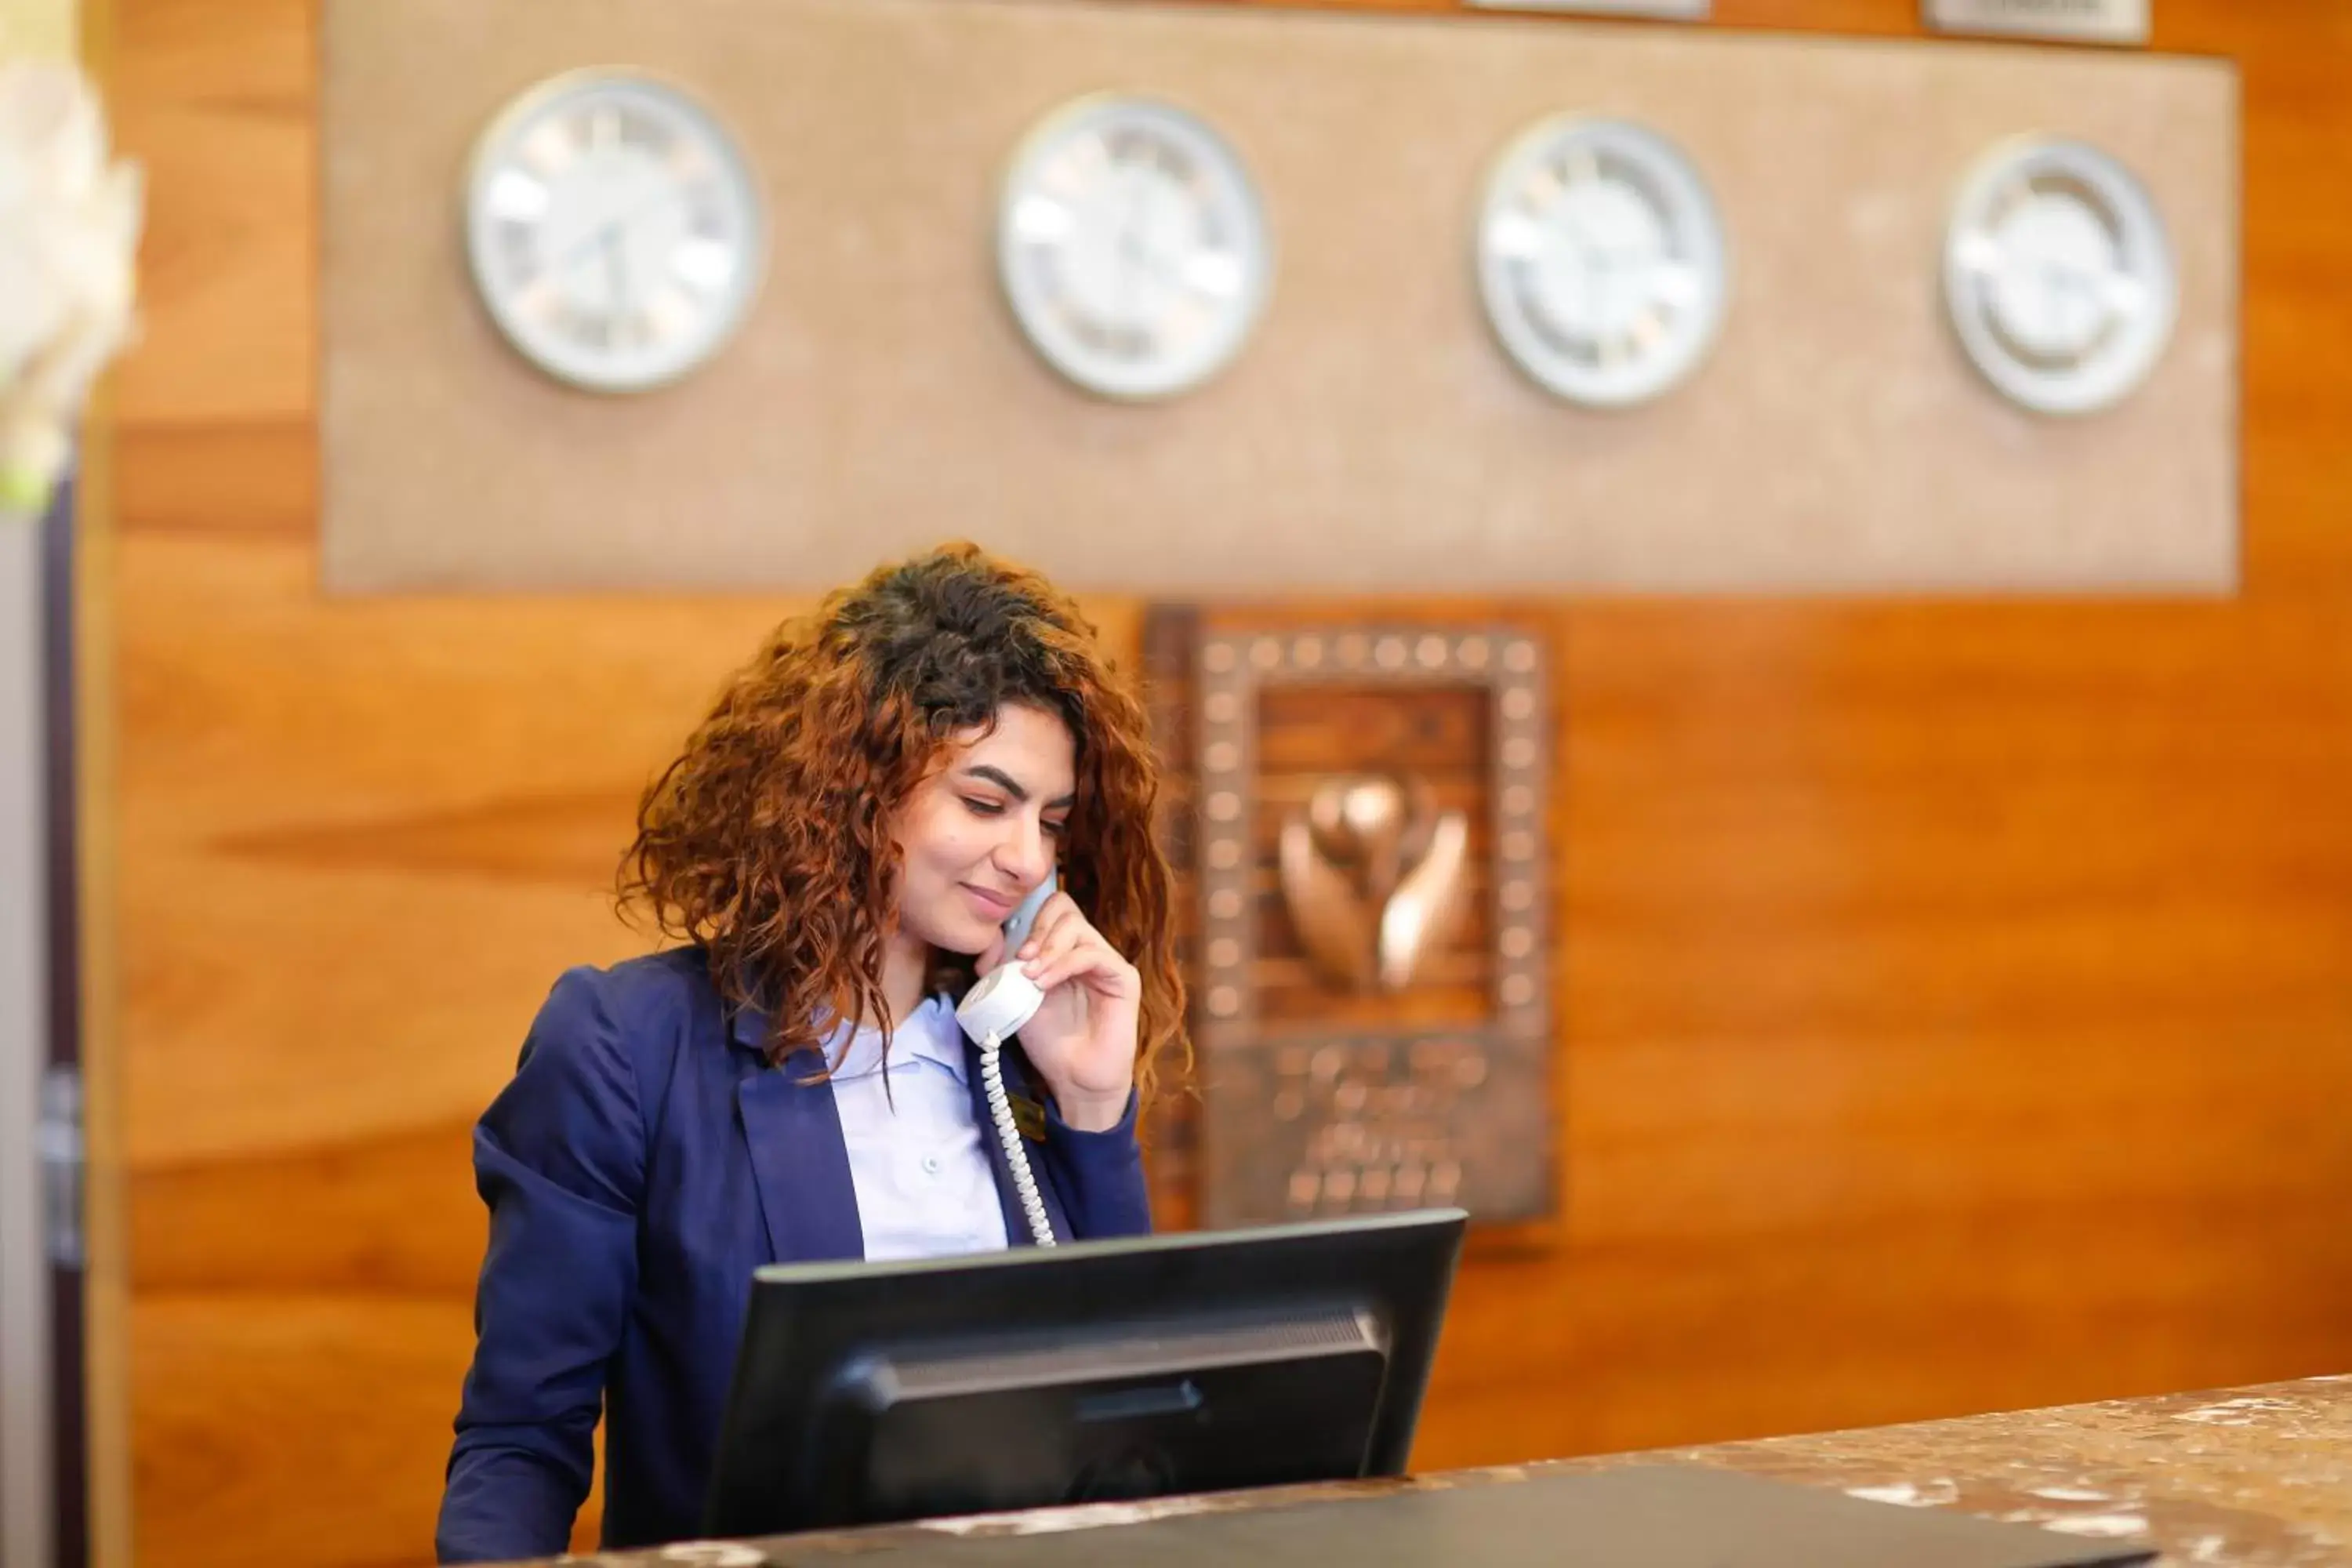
x: 1091, y: 961
x: 1059, y: 912
x: 1063, y: 945
x: 1058, y: 944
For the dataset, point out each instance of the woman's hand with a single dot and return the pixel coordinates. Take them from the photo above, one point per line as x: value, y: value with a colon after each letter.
x: 1082, y: 1040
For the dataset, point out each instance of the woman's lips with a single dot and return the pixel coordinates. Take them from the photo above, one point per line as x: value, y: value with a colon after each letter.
x: 994, y: 906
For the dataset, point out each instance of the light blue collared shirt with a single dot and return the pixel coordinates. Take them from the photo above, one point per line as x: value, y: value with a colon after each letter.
x: 924, y: 1184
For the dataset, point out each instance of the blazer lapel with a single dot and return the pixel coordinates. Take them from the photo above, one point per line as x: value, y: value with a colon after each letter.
x: 800, y: 1162
x: 1016, y: 1083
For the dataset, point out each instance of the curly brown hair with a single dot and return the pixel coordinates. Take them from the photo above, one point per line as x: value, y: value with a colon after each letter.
x: 768, y: 840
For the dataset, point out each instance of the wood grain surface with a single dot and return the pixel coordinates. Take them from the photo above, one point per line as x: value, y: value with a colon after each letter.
x: 1955, y: 1001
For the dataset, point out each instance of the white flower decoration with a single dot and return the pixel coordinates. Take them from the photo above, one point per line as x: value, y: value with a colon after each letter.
x: 68, y: 237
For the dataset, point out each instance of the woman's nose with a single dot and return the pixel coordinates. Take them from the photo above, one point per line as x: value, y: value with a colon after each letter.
x: 1027, y: 854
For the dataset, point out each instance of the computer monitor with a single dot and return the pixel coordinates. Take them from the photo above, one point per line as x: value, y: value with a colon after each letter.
x: 870, y: 1393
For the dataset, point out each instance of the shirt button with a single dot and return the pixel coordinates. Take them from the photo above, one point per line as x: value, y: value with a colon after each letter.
x: 930, y: 1165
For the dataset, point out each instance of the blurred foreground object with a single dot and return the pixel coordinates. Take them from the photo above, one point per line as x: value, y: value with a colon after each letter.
x: 70, y: 226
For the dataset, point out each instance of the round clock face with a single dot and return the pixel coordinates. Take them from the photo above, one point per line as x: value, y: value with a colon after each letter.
x: 615, y: 230
x: 1132, y: 247
x: 2058, y: 275
x: 1601, y: 260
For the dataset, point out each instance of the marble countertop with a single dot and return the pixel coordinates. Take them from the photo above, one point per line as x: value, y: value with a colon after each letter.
x: 2255, y: 1477
x: 2249, y: 1477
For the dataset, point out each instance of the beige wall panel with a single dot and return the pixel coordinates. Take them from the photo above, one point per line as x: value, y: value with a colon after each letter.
x: 1372, y: 435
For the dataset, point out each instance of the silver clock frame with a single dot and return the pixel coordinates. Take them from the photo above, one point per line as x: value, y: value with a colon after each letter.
x: 1687, y: 212
x: 2126, y: 353
x: 536, y: 100
x: 1035, y: 320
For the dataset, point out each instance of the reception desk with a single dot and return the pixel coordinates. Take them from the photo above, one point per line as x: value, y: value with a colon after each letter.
x: 2249, y: 1477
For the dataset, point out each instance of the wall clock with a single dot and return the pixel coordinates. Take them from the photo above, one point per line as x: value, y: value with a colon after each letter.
x: 1132, y: 247
x: 615, y: 231
x: 2058, y: 275
x: 1601, y: 260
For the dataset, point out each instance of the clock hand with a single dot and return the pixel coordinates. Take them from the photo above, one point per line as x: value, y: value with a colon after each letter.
x: 627, y: 220
x: 617, y: 266
x: 2085, y: 284
x: 1594, y: 264
x: 1132, y: 253
x: 2058, y: 281
x: 1146, y: 251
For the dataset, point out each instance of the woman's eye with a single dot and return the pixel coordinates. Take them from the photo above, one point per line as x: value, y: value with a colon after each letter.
x: 1056, y: 828
x: 983, y: 807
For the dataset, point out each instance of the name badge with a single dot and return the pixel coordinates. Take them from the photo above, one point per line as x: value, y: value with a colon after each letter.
x: 1029, y: 1117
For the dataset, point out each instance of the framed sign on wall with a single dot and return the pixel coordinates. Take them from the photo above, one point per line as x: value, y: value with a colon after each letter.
x: 1364, y: 813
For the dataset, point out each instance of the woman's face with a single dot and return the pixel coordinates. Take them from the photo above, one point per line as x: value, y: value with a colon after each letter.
x: 983, y: 829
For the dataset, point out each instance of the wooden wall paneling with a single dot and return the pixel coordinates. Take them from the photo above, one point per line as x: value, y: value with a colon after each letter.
x: 1954, y: 995
x: 110, y: 1504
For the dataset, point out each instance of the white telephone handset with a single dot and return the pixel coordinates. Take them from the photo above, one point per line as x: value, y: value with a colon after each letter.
x: 992, y: 1013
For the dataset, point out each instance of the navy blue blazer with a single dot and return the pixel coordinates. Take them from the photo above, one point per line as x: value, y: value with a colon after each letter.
x: 643, y: 1160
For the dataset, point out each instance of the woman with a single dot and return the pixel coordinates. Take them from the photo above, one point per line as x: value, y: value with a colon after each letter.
x: 836, y: 849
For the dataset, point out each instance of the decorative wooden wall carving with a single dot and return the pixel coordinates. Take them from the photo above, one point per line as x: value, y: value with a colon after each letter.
x: 1371, y: 969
